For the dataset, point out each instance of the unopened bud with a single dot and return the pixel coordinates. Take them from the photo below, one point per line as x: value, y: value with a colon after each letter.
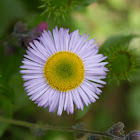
x: 25, y: 36
x: 42, y: 26
x: 117, y: 129
x: 20, y: 28
x: 134, y: 135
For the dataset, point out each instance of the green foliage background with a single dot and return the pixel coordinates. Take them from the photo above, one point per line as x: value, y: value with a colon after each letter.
x: 115, y: 24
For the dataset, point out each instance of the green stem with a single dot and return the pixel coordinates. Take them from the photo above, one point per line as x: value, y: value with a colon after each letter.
x: 46, y: 127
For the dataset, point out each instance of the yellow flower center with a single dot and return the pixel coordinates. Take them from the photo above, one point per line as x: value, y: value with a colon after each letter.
x: 64, y: 71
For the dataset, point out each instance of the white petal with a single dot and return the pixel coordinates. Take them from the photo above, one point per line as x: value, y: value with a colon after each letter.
x: 37, y: 89
x: 31, y: 67
x: 66, y: 100
x: 66, y: 40
x: 87, y: 47
x: 89, y: 93
x: 61, y: 104
x: 28, y: 62
x: 80, y: 42
x: 31, y: 71
x: 29, y: 77
x: 71, y: 103
x: 38, y: 94
x: 83, y: 96
x: 41, y: 49
x: 90, y: 71
x: 29, y: 89
x: 61, y: 39
x: 35, y: 59
x: 33, y: 85
x: 75, y: 99
x: 89, y: 89
x: 46, y: 97
x: 95, y: 80
x: 36, y: 53
x: 56, y: 38
x: 47, y: 46
x: 55, y: 102
x: 33, y: 81
x: 73, y: 40
x: 95, y: 64
x: 78, y: 99
x: 50, y: 42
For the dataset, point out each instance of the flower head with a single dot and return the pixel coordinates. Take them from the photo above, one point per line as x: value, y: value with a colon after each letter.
x: 63, y: 69
x: 123, y: 60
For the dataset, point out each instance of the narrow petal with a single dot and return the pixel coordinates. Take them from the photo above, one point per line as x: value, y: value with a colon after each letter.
x: 89, y: 94
x: 33, y: 81
x: 75, y: 99
x: 38, y: 94
x: 55, y: 102
x: 73, y: 40
x: 33, y: 85
x: 83, y: 96
x: 56, y: 38
x: 71, y: 103
x: 61, y: 104
x: 66, y: 100
x: 78, y: 100
x: 37, y: 89
x: 31, y: 67
x: 95, y: 80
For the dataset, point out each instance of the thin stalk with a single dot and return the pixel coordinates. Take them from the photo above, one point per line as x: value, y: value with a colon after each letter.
x: 47, y: 127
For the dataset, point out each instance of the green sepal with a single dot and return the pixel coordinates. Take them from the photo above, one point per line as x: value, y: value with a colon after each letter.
x: 122, y: 62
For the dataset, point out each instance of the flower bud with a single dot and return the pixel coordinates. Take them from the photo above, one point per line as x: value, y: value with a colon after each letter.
x: 117, y: 129
x: 25, y: 36
x: 20, y: 28
x: 42, y: 26
x: 134, y: 135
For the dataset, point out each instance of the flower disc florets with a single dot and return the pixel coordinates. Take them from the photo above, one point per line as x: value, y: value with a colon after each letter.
x: 64, y: 71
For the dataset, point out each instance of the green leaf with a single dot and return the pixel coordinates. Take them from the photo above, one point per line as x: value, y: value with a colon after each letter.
x: 6, y: 110
x: 116, y: 49
x: 117, y: 41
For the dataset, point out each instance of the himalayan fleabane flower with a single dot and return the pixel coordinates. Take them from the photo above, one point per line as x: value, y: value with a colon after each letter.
x: 63, y: 69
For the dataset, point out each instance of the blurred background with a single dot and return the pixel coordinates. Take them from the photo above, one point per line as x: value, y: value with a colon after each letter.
x: 101, y: 19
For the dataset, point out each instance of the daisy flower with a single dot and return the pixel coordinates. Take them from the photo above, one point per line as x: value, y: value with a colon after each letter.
x: 61, y: 70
